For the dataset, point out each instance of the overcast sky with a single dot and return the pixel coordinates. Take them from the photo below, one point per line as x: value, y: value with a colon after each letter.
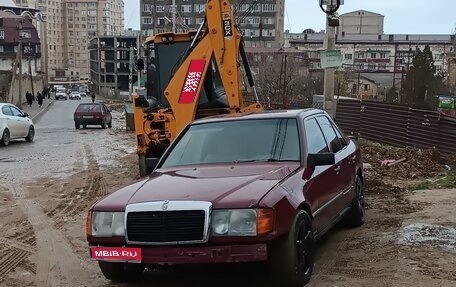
x: 401, y: 16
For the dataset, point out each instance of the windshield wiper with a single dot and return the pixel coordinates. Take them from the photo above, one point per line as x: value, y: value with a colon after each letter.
x: 256, y: 160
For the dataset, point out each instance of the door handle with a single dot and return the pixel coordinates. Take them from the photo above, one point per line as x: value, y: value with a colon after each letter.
x: 337, y: 168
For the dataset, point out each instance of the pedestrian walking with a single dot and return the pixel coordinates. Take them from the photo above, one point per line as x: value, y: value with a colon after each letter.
x: 44, y: 93
x: 93, y: 97
x: 39, y: 98
x: 29, y: 98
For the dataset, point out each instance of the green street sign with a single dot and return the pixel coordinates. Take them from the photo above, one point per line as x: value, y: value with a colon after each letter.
x: 330, y: 59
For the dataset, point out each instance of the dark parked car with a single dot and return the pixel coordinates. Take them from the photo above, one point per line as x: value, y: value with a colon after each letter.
x: 92, y: 114
x: 237, y: 188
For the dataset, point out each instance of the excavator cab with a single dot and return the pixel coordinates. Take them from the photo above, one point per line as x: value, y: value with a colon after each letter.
x: 190, y: 76
x: 164, y: 54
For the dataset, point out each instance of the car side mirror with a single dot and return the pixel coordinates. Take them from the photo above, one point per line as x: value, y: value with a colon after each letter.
x: 25, y: 114
x: 317, y: 159
x: 151, y: 164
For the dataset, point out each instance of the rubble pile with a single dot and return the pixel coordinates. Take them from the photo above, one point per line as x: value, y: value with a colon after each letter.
x: 401, y: 163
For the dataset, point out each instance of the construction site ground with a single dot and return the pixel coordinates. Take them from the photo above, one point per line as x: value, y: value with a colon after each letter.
x: 408, y: 239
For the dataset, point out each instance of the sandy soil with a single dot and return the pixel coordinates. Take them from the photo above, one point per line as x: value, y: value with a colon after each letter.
x: 408, y: 239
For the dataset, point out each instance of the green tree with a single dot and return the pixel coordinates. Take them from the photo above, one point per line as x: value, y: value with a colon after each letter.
x: 420, y: 81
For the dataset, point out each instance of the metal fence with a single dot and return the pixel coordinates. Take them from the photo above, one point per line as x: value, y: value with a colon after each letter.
x: 397, y: 125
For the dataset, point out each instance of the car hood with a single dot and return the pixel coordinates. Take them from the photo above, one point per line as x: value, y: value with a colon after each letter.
x: 226, y: 186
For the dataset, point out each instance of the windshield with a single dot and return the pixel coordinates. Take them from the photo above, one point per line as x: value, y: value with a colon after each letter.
x: 237, y: 141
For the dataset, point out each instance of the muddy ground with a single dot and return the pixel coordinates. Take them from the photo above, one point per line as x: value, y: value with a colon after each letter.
x: 408, y: 239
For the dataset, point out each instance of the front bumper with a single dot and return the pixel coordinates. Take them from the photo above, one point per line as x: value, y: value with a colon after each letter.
x: 168, y: 255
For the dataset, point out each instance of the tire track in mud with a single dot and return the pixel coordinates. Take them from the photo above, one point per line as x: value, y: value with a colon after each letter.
x: 10, y: 259
x: 78, y: 201
x: 57, y: 263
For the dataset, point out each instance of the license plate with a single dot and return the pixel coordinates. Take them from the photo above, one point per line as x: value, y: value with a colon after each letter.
x: 87, y: 117
x: 123, y: 254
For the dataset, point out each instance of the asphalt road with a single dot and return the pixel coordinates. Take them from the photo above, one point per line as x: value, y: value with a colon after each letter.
x: 56, y: 146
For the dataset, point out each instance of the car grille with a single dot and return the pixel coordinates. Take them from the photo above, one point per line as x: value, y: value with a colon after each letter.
x: 177, y: 226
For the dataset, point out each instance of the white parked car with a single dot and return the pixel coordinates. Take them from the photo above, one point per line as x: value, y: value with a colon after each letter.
x: 15, y: 124
x: 75, y: 95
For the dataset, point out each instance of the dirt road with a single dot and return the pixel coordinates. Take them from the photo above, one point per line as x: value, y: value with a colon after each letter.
x: 408, y: 240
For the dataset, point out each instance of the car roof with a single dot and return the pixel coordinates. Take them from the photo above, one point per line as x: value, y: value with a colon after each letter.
x: 266, y: 114
x: 7, y: 104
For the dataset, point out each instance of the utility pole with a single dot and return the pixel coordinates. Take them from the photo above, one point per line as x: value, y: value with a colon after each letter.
x: 19, y: 50
x: 130, y: 76
x: 332, y: 21
x: 138, y: 45
x: 330, y: 44
x: 173, y: 13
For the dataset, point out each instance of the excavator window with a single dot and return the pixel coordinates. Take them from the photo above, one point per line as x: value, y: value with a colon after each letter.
x: 162, y: 61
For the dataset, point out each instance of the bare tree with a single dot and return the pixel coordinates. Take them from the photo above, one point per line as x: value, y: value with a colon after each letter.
x: 281, y: 80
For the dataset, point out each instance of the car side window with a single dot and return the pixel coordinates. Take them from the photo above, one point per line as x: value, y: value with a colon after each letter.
x: 329, y: 133
x: 343, y: 141
x: 16, y: 112
x: 315, y: 140
x: 7, y: 111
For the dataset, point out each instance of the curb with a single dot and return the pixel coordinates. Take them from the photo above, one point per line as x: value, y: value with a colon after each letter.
x: 36, y: 117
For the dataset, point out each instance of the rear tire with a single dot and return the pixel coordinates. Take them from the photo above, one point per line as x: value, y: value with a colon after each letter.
x: 5, y: 140
x: 356, y: 216
x: 121, y: 272
x: 291, y: 260
x: 110, y: 124
x: 31, y: 134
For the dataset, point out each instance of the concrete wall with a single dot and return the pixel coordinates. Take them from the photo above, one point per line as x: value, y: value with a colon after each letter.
x: 6, y: 86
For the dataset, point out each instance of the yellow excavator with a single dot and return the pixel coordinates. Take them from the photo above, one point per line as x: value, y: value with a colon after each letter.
x: 190, y: 76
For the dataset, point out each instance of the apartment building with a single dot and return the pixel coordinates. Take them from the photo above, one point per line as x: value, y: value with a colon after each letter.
x: 261, y: 21
x: 361, y: 22
x: 110, y: 62
x: 70, y: 25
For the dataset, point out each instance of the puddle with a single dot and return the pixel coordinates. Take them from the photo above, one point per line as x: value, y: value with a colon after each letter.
x: 431, y: 234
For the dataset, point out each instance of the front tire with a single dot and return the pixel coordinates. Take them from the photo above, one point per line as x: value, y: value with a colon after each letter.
x: 110, y: 124
x: 356, y: 215
x: 77, y: 126
x: 5, y: 140
x: 121, y: 272
x: 31, y: 134
x: 291, y: 260
x: 103, y: 125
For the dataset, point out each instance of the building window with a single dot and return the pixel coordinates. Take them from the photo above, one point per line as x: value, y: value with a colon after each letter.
x: 186, y: 8
x: 200, y: 7
x: 348, y: 56
x: 382, y: 55
x: 371, y: 67
x: 147, y: 20
x: 160, y: 9
x: 26, y: 34
x: 360, y: 55
x: 148, y: 7
x: 268, y: 21
x: 160, y: 21
x: 2, y: 34
x: 373, y: 55
x: 187, y: 21
x: 268, y: 7
x: 199, y: 21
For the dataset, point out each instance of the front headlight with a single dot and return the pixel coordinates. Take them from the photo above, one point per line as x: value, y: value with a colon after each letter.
x: 241, y: 222
x: 108, y: 224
